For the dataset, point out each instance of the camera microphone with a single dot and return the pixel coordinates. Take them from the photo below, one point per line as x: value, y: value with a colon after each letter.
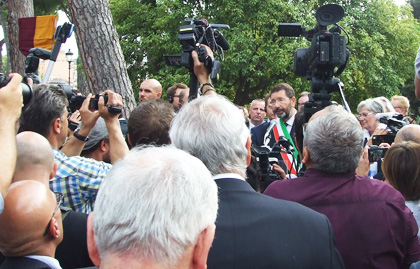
x: 221, y: 40
x: 386, y: 115
x: 273, y: 122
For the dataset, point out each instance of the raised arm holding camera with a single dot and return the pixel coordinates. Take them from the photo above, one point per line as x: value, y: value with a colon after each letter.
x: 77, y: 178
x: 10, y: 109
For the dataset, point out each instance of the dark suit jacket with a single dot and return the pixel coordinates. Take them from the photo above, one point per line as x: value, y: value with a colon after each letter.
x: 23, y: 262
x: 257, y: 231
x: 72, y: 251
x: 258, y: 133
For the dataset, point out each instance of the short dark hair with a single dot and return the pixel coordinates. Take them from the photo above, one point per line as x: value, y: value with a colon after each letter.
x: 290, y: 92
x: 170, y: 93
x: 401, y: 168
x: 47, y: 104
x: 149, y: 123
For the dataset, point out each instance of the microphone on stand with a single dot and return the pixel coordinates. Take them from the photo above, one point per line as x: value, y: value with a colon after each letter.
x: 266, y: 140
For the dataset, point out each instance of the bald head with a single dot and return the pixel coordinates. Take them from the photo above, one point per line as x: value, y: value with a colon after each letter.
x: 410, y: 132
x: 150, y: 89
x: 28, y: 208
x: 35, y: 159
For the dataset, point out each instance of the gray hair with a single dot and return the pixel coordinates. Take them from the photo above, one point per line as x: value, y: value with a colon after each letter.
x: 387, y: 104
x: 334, y: 141
x: 373, y: 104
x: 212, y: 129
x: 154, y: 204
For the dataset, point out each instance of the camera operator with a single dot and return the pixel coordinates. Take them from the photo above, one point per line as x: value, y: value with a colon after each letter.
x: 77, y: 178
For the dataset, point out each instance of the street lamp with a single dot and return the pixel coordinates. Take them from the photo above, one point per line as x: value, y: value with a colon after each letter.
x: 69, y: 57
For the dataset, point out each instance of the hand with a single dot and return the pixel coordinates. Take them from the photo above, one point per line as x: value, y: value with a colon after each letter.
x: 114, y: 99
x: 376, y: 132
x: 87, y: 117
x: 11, y: 99
x: 363, y: 167
x: 75, y: 117
x: 202, y: 72
x: 279, y: 170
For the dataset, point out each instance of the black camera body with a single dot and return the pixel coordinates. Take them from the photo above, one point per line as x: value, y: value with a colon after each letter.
x: 325, y: 59
x: 26, y: 89
x: 394, y: 122
x: 191, y: 36
x: 76, y: 101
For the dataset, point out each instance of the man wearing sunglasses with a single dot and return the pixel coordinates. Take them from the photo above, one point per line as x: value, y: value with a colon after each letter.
x: 30, y: 226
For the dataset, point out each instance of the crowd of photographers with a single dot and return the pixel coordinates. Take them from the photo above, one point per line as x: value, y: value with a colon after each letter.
x: 348, y: 186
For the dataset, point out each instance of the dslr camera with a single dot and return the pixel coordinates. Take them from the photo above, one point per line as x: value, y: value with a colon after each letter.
x: 394, y: 122
x: 26, y: 89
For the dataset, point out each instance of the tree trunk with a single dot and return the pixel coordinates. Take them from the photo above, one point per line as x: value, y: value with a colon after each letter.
x: 81, y: 78
x: 99, y: 47
x: 17, y: 9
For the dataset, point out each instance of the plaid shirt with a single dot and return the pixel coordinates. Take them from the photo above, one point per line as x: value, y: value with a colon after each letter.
x: 78, y: 178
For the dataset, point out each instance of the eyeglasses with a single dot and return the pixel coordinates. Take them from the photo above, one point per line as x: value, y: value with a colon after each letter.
x: 364, y: 115
x: 59, y: 198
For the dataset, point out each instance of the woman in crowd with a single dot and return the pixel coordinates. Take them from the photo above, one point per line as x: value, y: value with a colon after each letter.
x: 367, y: 110
x: 401, y: 167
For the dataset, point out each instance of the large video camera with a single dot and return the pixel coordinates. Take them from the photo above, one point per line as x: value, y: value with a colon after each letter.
x: 191, y: 36
x: 266, y: 157
x: 324, y: 59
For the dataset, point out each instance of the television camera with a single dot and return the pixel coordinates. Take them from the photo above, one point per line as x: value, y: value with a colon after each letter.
x: 191, y: 36
x: 325, y: 59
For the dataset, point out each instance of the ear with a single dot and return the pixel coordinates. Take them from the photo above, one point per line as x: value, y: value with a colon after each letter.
x: 129, y: 140
x: 159, y: 94
x: 294, y: 100
x: 202, y: 247
x: 91, y: 244
x: 54, y: 170
x: 56, y: 126
x: 306, y: 158
x: 104, y: 145
x: 54, y: 229
x: 248, y: 147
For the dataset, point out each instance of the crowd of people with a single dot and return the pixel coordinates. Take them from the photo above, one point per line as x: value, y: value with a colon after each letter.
x: 181, y: 185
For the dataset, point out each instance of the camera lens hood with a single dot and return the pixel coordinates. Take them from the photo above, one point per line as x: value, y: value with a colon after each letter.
x: 329, y: 14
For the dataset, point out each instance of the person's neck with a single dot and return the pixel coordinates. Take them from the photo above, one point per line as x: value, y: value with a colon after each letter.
x: 115, y: 261
x: 256, y: 123
x: 34, y: 172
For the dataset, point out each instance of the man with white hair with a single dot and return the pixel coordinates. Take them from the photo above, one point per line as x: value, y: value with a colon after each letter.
x: 372, y: 225
x: 156, y: 209
x: 253, y: 230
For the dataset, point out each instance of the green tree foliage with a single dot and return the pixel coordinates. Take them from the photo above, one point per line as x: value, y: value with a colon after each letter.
x: 383, y: 40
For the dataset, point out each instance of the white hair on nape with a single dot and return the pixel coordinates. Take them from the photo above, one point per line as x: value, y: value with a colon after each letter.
x: 153, y: 204
x: 212, y: 129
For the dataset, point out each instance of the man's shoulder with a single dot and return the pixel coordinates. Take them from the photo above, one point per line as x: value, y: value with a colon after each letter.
x: 23, y: 262
x: 239, y: 194
x: 260, y: 128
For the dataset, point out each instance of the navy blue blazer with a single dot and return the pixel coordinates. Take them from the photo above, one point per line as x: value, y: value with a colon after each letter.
x: 257, y: 231
x: 22, y: 263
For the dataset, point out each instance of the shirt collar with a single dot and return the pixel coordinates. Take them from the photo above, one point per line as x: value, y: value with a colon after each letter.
x: 50, y: 261
x: 228, y: 175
